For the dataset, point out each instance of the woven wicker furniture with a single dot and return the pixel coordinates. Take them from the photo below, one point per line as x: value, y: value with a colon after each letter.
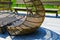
x: 28, y: 23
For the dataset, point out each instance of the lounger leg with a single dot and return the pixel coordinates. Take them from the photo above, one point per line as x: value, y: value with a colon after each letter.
x: 56, y: 14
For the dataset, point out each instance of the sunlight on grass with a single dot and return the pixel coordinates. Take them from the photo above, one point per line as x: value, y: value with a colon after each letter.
x: 45, y: 6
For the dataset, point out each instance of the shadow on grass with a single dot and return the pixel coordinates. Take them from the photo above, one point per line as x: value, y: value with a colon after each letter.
x: 40, y: 34
x: 53, y: 16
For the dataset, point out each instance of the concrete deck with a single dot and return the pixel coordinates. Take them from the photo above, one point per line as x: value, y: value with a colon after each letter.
x: 52, y: 24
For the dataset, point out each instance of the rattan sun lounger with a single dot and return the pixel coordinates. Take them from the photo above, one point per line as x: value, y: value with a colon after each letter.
x: 28, y: 23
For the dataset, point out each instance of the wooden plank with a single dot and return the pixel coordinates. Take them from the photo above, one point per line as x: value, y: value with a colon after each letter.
x: 51, y: 2
x: 52, y: 10
x: 5, y: 2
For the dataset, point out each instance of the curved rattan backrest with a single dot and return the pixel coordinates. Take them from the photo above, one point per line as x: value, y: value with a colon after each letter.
x: 33, y: 20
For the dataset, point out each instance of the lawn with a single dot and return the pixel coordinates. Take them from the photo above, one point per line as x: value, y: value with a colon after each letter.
x: 45, y: 6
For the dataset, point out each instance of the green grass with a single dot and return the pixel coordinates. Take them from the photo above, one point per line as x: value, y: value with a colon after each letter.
x: 20, y: 5
x: 59, y: 10
x: 50, y: 6
x: 45, y: 6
